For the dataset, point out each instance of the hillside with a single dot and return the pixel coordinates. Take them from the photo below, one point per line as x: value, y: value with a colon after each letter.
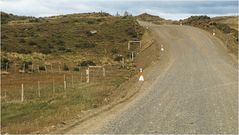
x: 74, y: 37
x: 49, y: 58
x: 5, y: 17
x: 153, y: 18
x: 224, y: 31
x: 231, y: 21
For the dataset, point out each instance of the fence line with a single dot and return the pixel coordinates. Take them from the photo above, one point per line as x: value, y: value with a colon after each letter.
x: 48, y: 84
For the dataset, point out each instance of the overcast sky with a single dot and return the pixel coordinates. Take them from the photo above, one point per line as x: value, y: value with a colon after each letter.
x: 169, y: 9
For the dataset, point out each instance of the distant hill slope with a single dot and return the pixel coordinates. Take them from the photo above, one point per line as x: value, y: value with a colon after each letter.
x: 222, y: 30
x: 5, y: 17
x: 231, y: 21
x: 87, y: 35
x: 153, y: 18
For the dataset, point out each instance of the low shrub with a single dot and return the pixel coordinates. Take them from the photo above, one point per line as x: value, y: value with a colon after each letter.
x: 25, y: 64
x: 32, y: 43
x: 65, y: 67
x: 45, y: 50
x: 23, y: 51
x: 223, y: 27
x: 131, y: 32
x: 85, y: 44
x: 87, y: 63
x: 5, y: 63
x: 114, y: 51
x: 42, y: 68
x: 22, y: 40
x: 76, y: 69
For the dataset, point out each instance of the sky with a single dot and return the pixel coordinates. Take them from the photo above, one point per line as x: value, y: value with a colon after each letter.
x: 169, y: 9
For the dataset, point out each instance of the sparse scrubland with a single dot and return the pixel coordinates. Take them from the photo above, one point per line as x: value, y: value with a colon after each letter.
x: 75, y: 41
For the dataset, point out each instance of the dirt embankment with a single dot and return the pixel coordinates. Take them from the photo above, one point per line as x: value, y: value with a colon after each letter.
x: 223, y: 31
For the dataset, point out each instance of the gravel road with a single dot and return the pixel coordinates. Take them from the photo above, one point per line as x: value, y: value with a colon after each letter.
x: 195, y: 91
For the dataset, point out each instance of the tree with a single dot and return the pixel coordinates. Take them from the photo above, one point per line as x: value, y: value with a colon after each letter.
x: 126, y: 13
x: 117, y: 14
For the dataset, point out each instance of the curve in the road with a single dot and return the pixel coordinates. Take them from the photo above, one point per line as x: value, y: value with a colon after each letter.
x: 197, y: 94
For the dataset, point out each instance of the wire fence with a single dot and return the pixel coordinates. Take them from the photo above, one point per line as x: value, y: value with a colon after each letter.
x: 29, y: 81
x: 27, y: 86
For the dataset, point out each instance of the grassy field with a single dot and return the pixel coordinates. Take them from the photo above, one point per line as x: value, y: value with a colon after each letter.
x: 54, y: 107
x: 71, y: 41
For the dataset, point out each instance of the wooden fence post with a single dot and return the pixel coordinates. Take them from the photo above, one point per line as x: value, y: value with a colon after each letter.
x: 39, y: 88
x: 22, y: 93
x: 103, y: 72
x: 87, y: 75
x: 64, y: 82
x: 6, y: 66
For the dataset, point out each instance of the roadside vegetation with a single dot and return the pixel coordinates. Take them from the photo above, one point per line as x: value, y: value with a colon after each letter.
x: 75, y: 40
x: 154, y: 19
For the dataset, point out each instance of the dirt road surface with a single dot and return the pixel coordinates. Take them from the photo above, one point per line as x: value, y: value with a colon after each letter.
x: 193, y: 88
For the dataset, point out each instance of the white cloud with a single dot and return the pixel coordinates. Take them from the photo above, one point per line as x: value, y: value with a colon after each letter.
x: 167, y: 9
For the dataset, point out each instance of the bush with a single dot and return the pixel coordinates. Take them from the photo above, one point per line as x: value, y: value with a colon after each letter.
x: 22, y: 40
x: 65, y: 67
x: 61, y: 48
x: 76, y: 69
x: 114, y: 51
x: 26, y: 64
x: 225, y: 28
x: 42, y: 68
x: 87, y: 63
x: 34, y: 20
x: 50, y: 46
x: 45, y: 50
x: 131, y: 32
x: 3, y: 37
x: 117, y: 57
x: 60, y: 42
x: 32, y: 43
x: 85, y: 44
x: 91, y: 22
x: 23, y: 51
x: 5, y: 62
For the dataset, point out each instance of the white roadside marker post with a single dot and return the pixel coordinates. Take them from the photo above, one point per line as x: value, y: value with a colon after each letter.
x: 141, y: 77
x: 162, y: 49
